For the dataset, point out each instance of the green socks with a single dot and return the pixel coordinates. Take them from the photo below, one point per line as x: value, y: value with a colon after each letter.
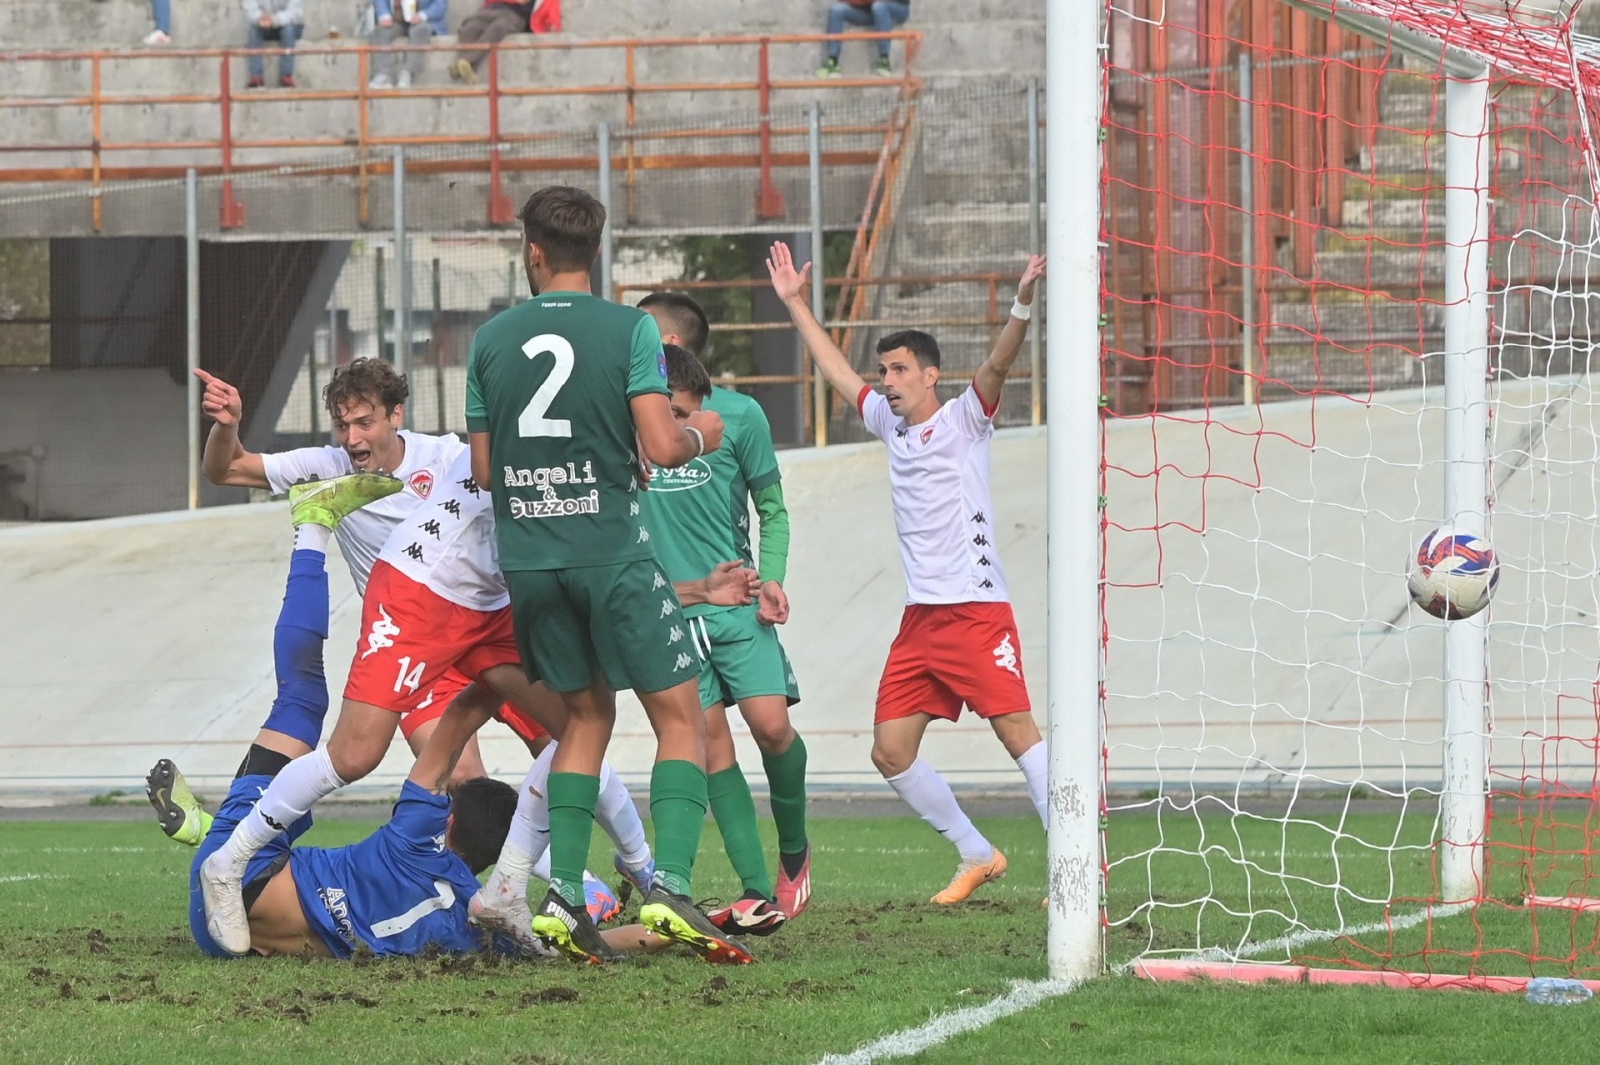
x: 786, y: 779
x: 735, y: 812
x: 678, y: 808
x: 573, y: 797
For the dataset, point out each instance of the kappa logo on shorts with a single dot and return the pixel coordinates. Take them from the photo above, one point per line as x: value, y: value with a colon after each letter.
x: 1005, y: 657
x: 633, y: 509
x: 684, y: 661
x: 667, y: 607
x: 383, y: 631
x: 421, y: 483
x: 659, y: 583
x: 674, y: 636
x: 644, y: 535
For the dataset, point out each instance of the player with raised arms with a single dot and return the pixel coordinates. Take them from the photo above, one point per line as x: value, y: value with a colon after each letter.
x: 958, y: 640
x: 566, y: 393
x: 698, y: 513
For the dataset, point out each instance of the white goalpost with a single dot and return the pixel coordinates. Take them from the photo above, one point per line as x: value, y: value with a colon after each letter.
x: 1072, y: 296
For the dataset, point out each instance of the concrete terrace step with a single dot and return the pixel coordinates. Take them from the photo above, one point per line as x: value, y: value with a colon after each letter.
x: 991, y: 231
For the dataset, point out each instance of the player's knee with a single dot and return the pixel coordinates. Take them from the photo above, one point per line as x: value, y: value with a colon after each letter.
x: 891, y: 763
x: 772, y: 736
x: 352, y: 761
x: 1018, y: 733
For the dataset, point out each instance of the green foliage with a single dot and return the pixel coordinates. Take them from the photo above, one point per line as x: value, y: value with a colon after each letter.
x: 24, y: 294
x: 107, y: 798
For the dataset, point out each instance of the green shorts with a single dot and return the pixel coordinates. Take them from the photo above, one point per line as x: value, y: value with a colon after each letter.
x: 621, y: 622
x: 740, y: 658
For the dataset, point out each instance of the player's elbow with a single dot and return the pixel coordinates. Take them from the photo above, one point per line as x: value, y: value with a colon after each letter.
x: 234, y: 475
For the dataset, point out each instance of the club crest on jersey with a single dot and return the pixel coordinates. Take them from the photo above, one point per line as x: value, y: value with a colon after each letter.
x: 421, y: 483
x: 681, y: 478
x: 927, y: 434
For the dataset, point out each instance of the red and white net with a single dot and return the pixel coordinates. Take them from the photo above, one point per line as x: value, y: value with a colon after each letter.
x: 1273, y: 351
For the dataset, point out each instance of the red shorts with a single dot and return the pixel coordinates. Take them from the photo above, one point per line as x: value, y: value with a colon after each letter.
x: 948, y: 654
x: 411, y: 637
x: 446, y: 689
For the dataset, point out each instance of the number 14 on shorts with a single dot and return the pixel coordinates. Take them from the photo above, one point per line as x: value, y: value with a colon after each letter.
x: 408, y: 678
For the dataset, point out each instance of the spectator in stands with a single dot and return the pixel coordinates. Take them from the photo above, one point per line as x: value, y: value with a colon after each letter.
x: 161, y: 11
x: 880, y: 15
x: 282, y: 21
x: 497, y: 20
x: 415, y: 20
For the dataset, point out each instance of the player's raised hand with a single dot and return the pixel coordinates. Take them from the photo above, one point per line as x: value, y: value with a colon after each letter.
x: 774, y: 608
x: 732, y: 584
x: 220, y: 401
x: 709, y: 425
x: 787, y: 282
x: 1030, y: 274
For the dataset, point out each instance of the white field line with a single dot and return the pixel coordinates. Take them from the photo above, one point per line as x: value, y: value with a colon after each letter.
x: 946, y: 1026
x: 29, y: 876
x: 80, y: 850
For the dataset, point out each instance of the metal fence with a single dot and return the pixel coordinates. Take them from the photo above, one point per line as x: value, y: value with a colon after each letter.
x: 921, y: 209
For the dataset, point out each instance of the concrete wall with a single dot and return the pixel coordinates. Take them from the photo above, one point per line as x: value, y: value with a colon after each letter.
x: 107, y: 442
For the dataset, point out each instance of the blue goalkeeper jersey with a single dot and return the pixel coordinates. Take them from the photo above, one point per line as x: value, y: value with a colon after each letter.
x: 399, y: 891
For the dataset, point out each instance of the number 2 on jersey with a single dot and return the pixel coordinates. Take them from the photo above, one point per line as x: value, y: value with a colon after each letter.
x: 532, y: 421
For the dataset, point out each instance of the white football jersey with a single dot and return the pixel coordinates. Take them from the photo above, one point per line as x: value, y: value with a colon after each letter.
x: 939, y: 479
x: 362, y: 535
x: 448, y: 544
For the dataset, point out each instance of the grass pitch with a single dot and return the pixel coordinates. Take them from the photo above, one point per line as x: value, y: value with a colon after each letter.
x: 96, y: 966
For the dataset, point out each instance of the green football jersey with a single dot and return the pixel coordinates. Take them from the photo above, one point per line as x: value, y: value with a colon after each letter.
x: 550, y: 381
x: 699, y: 514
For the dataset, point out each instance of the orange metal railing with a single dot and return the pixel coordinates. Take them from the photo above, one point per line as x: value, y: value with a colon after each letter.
x: 218, y: 155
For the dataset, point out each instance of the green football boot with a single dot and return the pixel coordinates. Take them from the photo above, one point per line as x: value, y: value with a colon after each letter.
x: 330, y: 501
x: 675, y: 917
x: 569, y: 930
x: 177, y: 810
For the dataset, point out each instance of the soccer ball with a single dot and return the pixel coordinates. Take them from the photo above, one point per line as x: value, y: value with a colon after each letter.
x: 1454, y: 574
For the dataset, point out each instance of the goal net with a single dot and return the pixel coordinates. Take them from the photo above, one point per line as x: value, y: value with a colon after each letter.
x: 1348, y: 287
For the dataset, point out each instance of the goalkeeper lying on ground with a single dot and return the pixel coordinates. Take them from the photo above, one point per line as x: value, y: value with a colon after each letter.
x: 402, y: 890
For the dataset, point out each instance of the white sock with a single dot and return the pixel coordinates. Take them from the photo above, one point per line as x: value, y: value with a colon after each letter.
x: 287, y: 799
x: 309, y: 537
x: 926, y: 792
x: 529, y: 838
x: 1035, y: 766
x: 617, y: 814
